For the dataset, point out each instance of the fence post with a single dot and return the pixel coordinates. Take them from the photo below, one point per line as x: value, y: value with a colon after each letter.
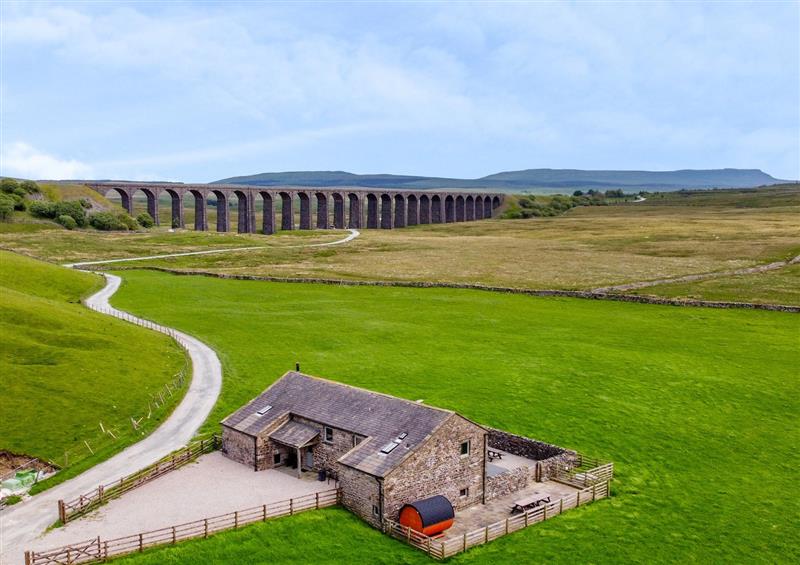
x: 205, y: 525
x: 526, y: 518
x: 561, y: 506
x: 105, y: 551
x: 486, y: 535
x: 27, y: 558
x: 291, y: 505
x: 544, y: 514
x: 140, y: 543
x: 235, y: 519
x: 62, y: 512
x: 100, y: 493
x: 578, y: 501
x: 465, y: 542
x: 594, y: 493
x: 264, y: 512
x: 99, y: 548
x: 317, y: 501
x: 506, y: 526
x: 173, y: 535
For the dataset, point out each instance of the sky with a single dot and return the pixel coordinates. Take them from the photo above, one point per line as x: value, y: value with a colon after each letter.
x: 196, y: 92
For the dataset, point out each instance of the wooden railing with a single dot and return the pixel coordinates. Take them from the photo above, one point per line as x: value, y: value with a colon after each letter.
x: 442, y: 549
x: 585, y: 472
x: 71, y: 509
x: 97, y: 549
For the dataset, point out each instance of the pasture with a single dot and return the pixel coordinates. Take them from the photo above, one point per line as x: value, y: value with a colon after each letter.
x: 697, y: 407
x: 669, y: 235
x: 66, y: 369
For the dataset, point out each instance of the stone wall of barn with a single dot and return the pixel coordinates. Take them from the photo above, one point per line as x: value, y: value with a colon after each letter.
x: 265, y: 449
x: 360, y: 493
x: 437, y: 467
x: 238, y: 446
x: 326, y: 454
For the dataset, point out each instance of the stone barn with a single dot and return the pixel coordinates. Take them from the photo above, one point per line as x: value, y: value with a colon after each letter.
x: 386, y: 452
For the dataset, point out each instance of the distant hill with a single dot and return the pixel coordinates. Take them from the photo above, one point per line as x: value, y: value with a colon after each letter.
x: 541, y: 180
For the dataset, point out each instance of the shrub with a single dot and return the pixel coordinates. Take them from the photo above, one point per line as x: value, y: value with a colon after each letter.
x: 29, y: 186
x: 145, y: 220
x: 106, y: 221
x: 43, y: 209
x: 6, y: 207
x: 19, y: 202
x: 67, y: 221
x: 127, y: 221
x: 8, y: 185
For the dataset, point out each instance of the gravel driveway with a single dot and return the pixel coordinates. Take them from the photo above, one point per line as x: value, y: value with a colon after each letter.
x: 212, y: 486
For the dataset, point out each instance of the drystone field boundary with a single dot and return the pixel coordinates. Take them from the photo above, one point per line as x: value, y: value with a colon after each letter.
x: 587, y: 294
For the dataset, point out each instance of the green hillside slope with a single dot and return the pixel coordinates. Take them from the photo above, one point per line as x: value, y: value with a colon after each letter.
x: 65, y: 369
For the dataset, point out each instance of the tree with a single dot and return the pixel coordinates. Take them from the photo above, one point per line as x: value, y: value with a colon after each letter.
x: 6, y: 207
x: 29, y: 186
x: 8, y: 185
x: 577, y: 193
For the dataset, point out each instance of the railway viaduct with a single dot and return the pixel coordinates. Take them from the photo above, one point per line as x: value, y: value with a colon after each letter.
x: 352, y: 207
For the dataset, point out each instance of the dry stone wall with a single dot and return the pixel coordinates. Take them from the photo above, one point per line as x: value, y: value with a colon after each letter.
x: 504, y: 289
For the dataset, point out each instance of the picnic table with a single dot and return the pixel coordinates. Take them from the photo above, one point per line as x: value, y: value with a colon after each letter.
x: 492, y: 455
x: 529, y: 502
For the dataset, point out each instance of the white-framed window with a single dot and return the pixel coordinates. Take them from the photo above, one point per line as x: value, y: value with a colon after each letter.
x: 464, y: 449
x: 463, y: 492
x: 356, y: 440
x: 328, y: 434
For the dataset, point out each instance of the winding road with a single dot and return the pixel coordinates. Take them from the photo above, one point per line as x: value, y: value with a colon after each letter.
x: 24, y: 522
x: 353, y: 234
x: 21, y: 523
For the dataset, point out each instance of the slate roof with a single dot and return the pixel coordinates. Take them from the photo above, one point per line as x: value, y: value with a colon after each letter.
x: 294, y: 434
x: 379, y: 417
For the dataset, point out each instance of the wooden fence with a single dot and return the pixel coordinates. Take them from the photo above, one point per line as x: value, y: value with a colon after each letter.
x: 71, y: 509
x: 97, y: 550
x: 442, y: 549
x: 585, y: 472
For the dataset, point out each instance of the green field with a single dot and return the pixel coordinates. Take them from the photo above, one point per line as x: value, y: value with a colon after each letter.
x: 669, y: 235
x: 697, y: 407
x: 64, y: 369
x: 331, y: 535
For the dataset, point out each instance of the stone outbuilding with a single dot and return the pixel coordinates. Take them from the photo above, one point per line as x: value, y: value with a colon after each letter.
x: 384, y: 451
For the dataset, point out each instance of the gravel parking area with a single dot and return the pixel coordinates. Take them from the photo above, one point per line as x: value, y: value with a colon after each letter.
x: 213, y: 485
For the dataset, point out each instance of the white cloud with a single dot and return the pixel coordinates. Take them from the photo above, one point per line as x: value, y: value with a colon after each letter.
x: 22, y: 160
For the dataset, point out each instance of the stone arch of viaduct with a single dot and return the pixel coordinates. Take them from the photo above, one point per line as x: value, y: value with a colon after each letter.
x: 351, y: 208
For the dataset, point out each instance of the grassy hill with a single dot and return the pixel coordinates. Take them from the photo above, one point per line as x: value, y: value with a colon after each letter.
x: 542, y: 180
x: 697, y: 407
x: 65, y: 369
